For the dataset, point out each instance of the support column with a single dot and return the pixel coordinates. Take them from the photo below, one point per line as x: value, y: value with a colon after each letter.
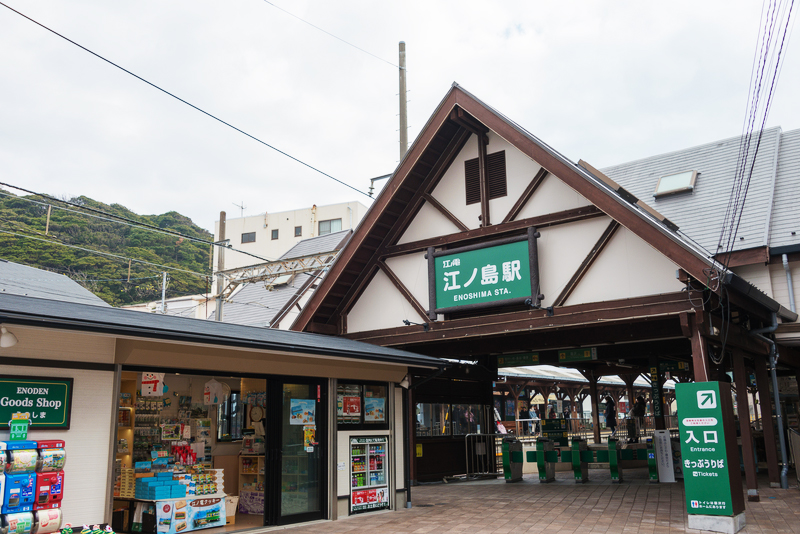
x: 743, y: 410
x: 595, y: 404
x: 764, y: 399
x: 657, y: 382
x: 699, y: 350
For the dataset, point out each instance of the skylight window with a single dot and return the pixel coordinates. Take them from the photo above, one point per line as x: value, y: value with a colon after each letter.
x: 675, y: 183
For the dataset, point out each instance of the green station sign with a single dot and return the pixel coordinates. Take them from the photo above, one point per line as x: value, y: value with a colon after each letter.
x: 706, y: 460
x: 482, y: 276
x: 577, y: 355
x: 518, y: 360
x: 48, y: 402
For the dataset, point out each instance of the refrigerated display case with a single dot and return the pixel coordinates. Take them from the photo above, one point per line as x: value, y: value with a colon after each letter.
x: 369, y: 489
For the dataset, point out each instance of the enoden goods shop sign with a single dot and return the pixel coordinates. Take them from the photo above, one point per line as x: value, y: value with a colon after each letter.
x: 47, y: 401
x: 496, y: 273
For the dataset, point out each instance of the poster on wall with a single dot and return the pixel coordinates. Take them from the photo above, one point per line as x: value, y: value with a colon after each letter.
x: 302, y: 411
x: 510, y: 408
x: 152, y: 384
x: 212, y: 393
x: 374, y: 410
x: 369, y: 499
x: 176, y: 516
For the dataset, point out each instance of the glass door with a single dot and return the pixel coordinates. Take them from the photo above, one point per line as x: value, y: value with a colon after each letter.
x: 297, y: 453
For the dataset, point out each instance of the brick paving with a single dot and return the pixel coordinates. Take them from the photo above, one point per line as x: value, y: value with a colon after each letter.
x: 562, y: 507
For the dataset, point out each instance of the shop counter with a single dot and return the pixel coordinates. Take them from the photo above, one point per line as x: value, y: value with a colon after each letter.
x: 181, y: 514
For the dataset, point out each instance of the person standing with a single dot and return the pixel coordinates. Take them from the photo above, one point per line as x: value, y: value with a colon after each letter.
x: 523, y: 414
x: 534, y: 420
x: 611, y: 416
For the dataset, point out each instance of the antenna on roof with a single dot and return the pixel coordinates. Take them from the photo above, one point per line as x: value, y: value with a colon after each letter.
x: 240, y: 206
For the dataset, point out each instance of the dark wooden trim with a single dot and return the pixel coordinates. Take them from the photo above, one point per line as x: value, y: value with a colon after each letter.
x: 479, y: 246
x: 778, y: 259
x: 484, y: 181
x: 700, y: 363
x: 542, y: 221
x: 751, y: 256
x: 357, y: 289
x: 321, y: 328
x: 743, y: 409
x: 765, y: 404
x: 533, y: 266
x: 369, y: 223
x: 526, y: 195
x: 403, y: 289
x: 583, y: 268
x: 595, y: 194
x: 444, y: 211
x: 431, y: 284
x: 532, y: 320
x: 56, y: 364
x: 467, y: 121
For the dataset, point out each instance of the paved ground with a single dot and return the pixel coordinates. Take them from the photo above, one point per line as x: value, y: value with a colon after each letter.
x: 559, y: 508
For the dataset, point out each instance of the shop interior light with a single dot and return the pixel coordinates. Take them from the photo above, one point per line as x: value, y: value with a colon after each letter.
x: 7, y: 339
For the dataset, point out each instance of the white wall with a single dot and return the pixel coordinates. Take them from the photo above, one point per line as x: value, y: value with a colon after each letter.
x: 87, y: 440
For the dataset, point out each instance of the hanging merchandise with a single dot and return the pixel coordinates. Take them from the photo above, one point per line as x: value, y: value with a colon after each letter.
x: 152, y: 384
x: 212, y: 393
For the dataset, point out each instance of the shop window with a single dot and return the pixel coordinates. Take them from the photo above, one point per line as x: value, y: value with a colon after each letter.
x: 249, y: 237
x: 230, y: 416
x: 361, y: 406
x: 330, y: 226
x: 433, y: 420
x: 298, y: 231
x: 275, y: 234
x: 467, y: 419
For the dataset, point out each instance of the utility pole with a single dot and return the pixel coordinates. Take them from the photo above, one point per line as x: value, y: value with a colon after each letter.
x: 164, y: 292
x: 220, y: 266
x: 403, y: 102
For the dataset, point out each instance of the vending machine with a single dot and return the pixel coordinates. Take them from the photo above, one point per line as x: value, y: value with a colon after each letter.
x: 21, y: 458
x: 19, y: 523
x: 50, y: 474
x: 2, y: 476
x: 369, y: 489
x: 47, y: 521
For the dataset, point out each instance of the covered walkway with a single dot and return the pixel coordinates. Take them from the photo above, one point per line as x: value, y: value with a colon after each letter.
x: 562, y: 507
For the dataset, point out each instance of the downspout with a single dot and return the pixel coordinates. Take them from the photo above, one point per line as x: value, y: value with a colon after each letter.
x: 773, y: 361
x: 788, y: 271
x: 406, y: 448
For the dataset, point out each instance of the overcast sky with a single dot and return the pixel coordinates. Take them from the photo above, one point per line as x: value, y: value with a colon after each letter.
x: 607, y: 82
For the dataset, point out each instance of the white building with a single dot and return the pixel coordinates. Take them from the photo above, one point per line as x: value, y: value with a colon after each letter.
x: 270, y: 235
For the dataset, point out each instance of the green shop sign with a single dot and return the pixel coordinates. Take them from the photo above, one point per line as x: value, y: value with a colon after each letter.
x: 518, y: 360
x: 48, y: 402
x: 710, y: 462
x: 577, y: 355
x: 498, y: 273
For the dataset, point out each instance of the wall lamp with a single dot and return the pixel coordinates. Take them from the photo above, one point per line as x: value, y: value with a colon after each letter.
x: 425, y: 326
x: 7, y: 339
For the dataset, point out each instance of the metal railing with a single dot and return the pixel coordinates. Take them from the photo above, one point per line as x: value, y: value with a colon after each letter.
x: 583, y: 427
x: 482, y: 455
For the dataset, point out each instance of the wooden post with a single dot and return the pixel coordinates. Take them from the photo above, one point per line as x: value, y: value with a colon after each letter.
x: 595, y: 405
x: 764, y: 399
x: 412, y: 436
x: 743, y: 411
x: 699, y: 349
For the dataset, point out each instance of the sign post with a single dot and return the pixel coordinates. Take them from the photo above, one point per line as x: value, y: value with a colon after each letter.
x: 712, y: 479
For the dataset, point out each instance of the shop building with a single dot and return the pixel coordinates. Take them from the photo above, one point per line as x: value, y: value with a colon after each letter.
x: 298, y: 427
x: 488, y: 244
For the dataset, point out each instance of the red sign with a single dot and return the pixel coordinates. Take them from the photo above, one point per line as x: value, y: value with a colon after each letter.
x: 351, y: 405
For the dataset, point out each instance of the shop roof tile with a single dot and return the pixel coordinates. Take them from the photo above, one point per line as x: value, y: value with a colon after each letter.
x: 16, y: 279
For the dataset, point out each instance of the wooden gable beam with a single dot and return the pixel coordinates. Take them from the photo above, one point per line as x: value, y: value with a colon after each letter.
x: 583, y: 268
x: 595, y: 194
x: 444, y: 211
x: 403, y: 290
x: 526, y: 195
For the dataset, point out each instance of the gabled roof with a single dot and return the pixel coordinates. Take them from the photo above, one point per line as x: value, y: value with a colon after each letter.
x: 785, y: 230
x: 317, y: 245
x: 45, y: 313
x: 446, y: 132
x: 700, y: 213
x: 255, y: 304
x: 16, y: 279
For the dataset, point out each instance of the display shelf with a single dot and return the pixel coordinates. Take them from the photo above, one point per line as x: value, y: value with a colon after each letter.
x: 251, y: 482
x: 125, y: 417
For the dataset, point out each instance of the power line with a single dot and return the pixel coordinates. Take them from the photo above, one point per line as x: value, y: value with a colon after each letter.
x: 186, y: 102
x: 332, y: 35
x: 106, y: 254
x: 111, y: 217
